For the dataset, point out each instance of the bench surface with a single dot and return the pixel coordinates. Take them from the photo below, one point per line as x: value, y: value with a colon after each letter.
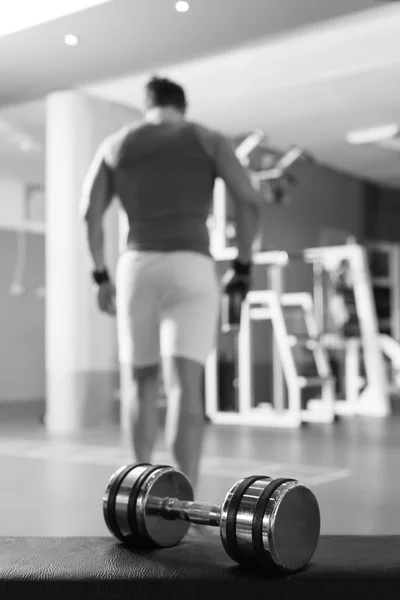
x: 88, y: 568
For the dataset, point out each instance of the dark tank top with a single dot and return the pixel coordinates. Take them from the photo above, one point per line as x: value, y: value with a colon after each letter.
x: 164, y: 175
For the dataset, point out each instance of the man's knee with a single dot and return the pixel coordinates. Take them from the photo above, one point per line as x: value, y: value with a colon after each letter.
x: 149, y: 373
x: 183, y: 373
x: 183, y: 385
x: 133, y: 377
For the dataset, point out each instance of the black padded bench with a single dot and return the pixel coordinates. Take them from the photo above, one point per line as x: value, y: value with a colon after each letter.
x: 100, y: 568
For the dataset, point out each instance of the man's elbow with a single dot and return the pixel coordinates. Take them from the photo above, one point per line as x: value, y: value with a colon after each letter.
x: 84, y: 210
x: 248, y: 199
x: 90, y: 215
x: 251, y: 203
x: 84, y: 218
x: 92, y: 223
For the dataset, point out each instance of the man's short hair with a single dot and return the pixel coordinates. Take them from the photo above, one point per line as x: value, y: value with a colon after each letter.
x: 161, y: 92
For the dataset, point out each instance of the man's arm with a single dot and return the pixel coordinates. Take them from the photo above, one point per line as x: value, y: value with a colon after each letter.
x: 246, y: 199
x: 97, y: 196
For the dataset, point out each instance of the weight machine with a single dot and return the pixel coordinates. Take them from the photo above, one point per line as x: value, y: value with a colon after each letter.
x: 365, y: 394
x: 273, y: 183
x: 384, y: 263
x: 369, y: 395
x: 270, y: 305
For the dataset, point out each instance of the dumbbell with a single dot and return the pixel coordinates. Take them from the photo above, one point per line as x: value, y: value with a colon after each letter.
x: 271, y: 523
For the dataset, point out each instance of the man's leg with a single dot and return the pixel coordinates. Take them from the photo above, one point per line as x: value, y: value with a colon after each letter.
x: 188, y: 331
x: 184, y: 428
x: 140, y: 390
x: 139, y: 350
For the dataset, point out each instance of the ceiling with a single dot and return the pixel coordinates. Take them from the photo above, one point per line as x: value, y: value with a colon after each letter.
x: 128, y: 36
x: 280, y: 66
x: 309, y: 87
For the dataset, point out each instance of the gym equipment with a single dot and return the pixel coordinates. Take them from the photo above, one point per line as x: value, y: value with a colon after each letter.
x: 231, y: 316
x: 235, y: 284
x: 384, y: 264
x: 273, y: 524
x: 222, y: 232
x: 269, y: 305
x: 231, y: 311
x: 368, y: 396
x: 250, y: 143
x: 275, y: 183
x: 220, y: 229
x: 342, y: 306
x: 17, y: 287
x: 28, y: 224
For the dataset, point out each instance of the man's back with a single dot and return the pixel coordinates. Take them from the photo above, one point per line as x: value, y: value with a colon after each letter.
x: 164, y: 175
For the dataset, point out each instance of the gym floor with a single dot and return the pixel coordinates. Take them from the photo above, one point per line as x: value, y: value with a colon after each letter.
x: 55, y: 488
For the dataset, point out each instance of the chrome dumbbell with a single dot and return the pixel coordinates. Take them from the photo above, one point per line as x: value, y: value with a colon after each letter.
x: 262, y: 521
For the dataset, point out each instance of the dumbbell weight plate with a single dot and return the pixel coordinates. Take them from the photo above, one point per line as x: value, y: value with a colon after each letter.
x: 115, y: 490
x: 121, y: 494
x: 239, y: 503
x: 276, y: 523
x: 133, y: 500
x: 295, y: 523
x: 164, y: 483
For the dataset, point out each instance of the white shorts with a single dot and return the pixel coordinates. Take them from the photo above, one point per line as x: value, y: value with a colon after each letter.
x: 167, y: 305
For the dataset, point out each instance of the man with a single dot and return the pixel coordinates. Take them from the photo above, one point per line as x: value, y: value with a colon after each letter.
x: 163, y: 171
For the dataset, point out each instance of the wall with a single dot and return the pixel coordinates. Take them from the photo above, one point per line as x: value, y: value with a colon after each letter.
x: 21, y: 317
x: 21, y: 322
x: 12, y: 195
x: 322, y: 200
x: 385, y: 215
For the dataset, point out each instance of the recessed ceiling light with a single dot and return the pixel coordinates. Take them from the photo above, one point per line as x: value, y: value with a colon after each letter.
x: 373, y: 135
x: 42, y: 11
x: 182, y: 6
x: 71, y: 40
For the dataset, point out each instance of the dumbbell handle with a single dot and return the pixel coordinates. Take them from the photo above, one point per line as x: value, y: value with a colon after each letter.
x: 201, y: 513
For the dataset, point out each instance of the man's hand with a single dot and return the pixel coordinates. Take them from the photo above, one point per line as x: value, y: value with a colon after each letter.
x: 106, y: 298
x: 236, y: 282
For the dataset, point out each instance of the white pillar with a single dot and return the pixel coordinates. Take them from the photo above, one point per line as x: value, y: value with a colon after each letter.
x: 81, y: 343
x: 125, y: 383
